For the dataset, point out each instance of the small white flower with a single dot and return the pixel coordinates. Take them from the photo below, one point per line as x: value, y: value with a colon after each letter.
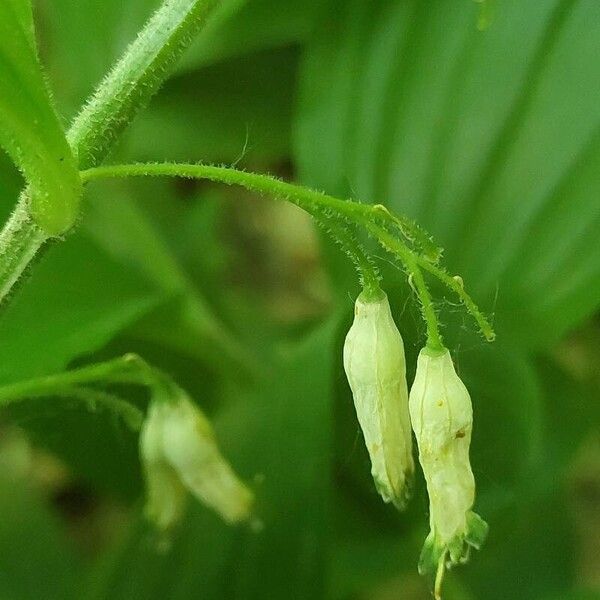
x: 179, y: 452
x: 376, y: 369
x: 442, y: 419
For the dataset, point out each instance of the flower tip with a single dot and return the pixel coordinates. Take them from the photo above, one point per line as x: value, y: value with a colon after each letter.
x: 477, y: 530
x: 400, y: 494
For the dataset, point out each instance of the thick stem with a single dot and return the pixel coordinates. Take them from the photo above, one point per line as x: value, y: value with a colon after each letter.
x: 20, y: 240
x: 120, y: 96
x: 136, y: 77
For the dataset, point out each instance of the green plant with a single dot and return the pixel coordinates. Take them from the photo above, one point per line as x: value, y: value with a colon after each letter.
x: 58, y: 165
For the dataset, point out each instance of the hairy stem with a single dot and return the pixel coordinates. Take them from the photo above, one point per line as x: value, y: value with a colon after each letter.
x: 135, y: 78
x: 340, y: 234
x: 410, y: 262
x: 126, y: 369
x: 20, y: 240
x: 78, y: 384
x: 120, y: 96
x: 311, y: 201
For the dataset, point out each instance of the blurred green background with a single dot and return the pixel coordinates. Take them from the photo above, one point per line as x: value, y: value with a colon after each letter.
x: 480, y: 121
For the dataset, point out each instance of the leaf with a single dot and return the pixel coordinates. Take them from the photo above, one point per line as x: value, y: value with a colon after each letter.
x: 281, y: 433
x: 489, y: 138
x: 535, y: 543
x: 247, y: 26
x: 189, y: 324
x: 11, y: 184
x: 75, y: 303
x: 571, y: 413
x: 30, y: 131
x: 23, y: 13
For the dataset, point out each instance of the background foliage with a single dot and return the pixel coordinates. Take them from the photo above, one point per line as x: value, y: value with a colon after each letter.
x: 490, y: 138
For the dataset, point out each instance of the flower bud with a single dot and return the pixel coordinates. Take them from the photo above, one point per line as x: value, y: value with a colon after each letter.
x: 179, y: 452
x: 376, y: 370
x: 442, y: 419
x: 165, y: 494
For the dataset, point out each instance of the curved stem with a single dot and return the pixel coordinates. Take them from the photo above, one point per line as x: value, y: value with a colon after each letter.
x: 456, y: 285
x: 369, y: 278
x: 409, y: 260
x: 77, y: 384
x: 266, y: 185
x: 367, y: 216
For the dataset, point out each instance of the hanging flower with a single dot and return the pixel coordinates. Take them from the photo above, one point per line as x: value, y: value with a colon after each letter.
x: 376, y: 370
x: 442, y: 419
x: 179, y: 453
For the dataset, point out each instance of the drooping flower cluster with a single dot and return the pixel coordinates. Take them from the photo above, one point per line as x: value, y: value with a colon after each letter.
x: 179, y: 453
x: 439, y: 410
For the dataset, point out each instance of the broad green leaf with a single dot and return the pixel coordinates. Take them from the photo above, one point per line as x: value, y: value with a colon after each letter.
x: 11, y: 183
x: 76, y: 301
x: 571, y: 412
x: 278, y: 434
x: 245, y: 26
x: 23, y: 12
x: 489, y: 138
x: 578, y: 594
x: 36, y: 559
x: 30, y: 131
x: 126, y: 232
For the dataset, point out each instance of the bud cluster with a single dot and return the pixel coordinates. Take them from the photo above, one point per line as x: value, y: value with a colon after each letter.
x: 439, y: 410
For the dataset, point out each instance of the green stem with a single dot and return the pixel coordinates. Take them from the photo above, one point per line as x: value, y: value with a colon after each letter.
x: 128, y: 369
x: 20, y: 240
x: 136, y: 77
x: 369, y: 278
x: 120, y: 96
x: 309, y: 200
x: 456, y: 285
x: 264, y: 185
x: 410, y: 262
x: 78, y: 384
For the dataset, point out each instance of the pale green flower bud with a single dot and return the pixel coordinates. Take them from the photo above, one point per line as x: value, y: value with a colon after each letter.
x: 165, y: 494
x: 442, y: 419
x: 179, y: 452
x: 376, y: 369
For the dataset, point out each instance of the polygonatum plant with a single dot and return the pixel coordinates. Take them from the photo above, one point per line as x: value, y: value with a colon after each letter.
x: 178, y: 447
